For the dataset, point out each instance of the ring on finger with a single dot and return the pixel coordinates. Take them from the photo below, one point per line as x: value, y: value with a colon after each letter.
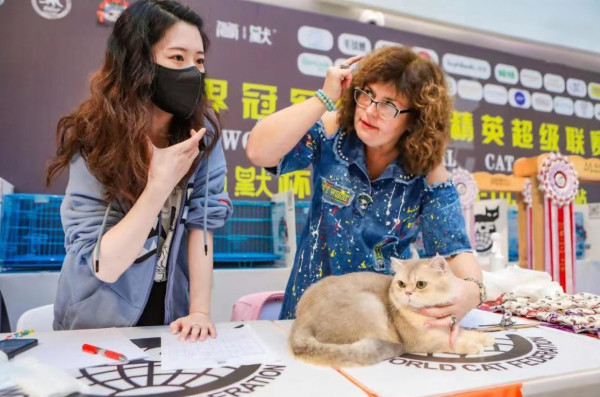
x: 344, y: 66
x: 453, y: 320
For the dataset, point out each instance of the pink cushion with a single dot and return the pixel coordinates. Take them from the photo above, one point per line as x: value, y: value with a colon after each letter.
x: 248, y: 307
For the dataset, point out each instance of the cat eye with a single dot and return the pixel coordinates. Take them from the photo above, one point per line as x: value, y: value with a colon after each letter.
x: 401, y: 284
x: 421, y: 284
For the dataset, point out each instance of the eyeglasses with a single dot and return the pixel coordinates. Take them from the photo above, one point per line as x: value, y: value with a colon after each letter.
x: 386, y: 110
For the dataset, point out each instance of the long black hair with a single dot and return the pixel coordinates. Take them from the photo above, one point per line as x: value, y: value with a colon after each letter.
x: 109, y: 129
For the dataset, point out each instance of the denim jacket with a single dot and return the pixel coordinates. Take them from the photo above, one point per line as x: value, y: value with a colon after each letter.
x: 83, y: 300
x: 356, y: 224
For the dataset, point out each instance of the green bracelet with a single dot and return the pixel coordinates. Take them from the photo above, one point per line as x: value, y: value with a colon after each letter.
x: 323, y: 97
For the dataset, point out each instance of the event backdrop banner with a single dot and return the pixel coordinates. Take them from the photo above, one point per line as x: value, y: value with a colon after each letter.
x: 263, y: 58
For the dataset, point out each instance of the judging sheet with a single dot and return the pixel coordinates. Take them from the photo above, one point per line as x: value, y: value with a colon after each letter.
x: 232, y: 346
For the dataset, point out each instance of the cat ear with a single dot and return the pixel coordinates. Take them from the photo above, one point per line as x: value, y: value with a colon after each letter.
x: 397, y: 264
x: 439, y: 263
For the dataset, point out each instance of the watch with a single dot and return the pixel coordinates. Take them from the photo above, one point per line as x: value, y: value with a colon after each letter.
x: 482, y: 292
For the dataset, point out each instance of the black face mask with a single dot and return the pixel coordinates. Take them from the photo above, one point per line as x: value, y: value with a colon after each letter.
x: 178, y: 91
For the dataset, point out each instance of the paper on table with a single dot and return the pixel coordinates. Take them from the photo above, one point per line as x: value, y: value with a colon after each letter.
x: 66, y: 353
x: 232, y: 346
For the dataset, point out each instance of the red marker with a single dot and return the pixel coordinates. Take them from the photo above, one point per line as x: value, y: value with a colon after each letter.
x: 106, y: 353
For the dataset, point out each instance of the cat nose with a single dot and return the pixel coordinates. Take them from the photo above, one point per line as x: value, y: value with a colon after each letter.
x: 408, y: 293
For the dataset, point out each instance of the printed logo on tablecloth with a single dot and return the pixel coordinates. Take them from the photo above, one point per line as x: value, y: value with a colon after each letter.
x: 145, y: 377
x: 52, y: 9
x: 508, y: 352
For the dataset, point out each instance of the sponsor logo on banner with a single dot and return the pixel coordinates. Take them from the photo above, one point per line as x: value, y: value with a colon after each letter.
x: 386, y: 43
x: 467, y: 66
x: 352, y: 44
x: 594, y: 90
x: 563, y: 105
x: 313, y: 64
x: 427, y: 54
x: 470, y: 90
x: 228, y: 30
x: 531, y: 78
x: 541, y: 102
x: 584, y: 109
x: 451, y: 83
x: 496, y: 94
x: 110, y: 10
x: 259, y: 34
x: 554, y: 83
x: 507, y: 74
x: 597, y: 111
x: 519, y: 98
x: 52, y: 9
x: 576, y: 87
x: 315, y: 38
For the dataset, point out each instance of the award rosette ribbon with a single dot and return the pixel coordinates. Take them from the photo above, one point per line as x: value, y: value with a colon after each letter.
x: 467, y: 190
x: 559, y: 182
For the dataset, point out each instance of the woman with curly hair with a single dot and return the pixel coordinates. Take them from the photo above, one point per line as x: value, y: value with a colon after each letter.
x: 377, y: 165
x: 146, y: 177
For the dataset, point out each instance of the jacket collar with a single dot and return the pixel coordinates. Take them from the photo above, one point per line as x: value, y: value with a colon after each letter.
x: 349, y: 149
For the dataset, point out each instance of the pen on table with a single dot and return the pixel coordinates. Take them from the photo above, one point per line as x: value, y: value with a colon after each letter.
x: 19, y: 334
x: 106, y: 353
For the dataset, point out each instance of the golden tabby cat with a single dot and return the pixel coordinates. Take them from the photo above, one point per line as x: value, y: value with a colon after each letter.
x: 363, y: 318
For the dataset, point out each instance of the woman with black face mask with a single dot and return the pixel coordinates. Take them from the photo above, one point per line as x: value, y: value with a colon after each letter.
x: 146, y: 178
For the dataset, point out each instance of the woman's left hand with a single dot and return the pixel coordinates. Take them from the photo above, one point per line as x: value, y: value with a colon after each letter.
x: 195, y: 325
x: 450, y: 315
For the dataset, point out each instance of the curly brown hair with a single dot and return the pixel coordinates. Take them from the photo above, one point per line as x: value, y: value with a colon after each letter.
x: 109, y: 129
x: 423, y: 83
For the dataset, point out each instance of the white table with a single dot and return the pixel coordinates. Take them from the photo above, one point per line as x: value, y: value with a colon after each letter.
x: 547, y: 362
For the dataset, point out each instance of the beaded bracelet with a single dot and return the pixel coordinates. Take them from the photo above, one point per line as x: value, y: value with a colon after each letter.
x: 323, y: 97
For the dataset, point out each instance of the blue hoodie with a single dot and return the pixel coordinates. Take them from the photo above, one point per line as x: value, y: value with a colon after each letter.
x: 83, y: 300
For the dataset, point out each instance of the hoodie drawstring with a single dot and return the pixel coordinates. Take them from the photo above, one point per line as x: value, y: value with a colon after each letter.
x: 206, y: 202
